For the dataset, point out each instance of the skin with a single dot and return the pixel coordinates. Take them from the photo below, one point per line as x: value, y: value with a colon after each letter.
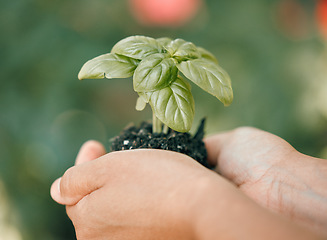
x: 270, y: 171
x: 155, y: 194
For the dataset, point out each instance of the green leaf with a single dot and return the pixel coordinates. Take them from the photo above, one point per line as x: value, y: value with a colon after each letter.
x: 140, y: 104
x: 137, y: 47
x: 154, y: 72
x: 207, y: 55
x: 182, y: 50
x: 164, y: 41
x: 210, y: 77
x: 108, y: 65
x: 173, y: 105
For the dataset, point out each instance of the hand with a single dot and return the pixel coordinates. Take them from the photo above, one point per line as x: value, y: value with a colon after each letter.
x: 154, y: 194
x: 135, y: 194
x: 272, y: 172
x: 245, y: 156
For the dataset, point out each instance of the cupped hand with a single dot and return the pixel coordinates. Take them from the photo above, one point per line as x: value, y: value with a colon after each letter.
x: 245, y: 156
x: 135, y: 194
x: 155, y: 194
x: 273, y: 173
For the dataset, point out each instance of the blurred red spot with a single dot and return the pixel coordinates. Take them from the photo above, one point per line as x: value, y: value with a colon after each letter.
x: 172, y: 13
x: 321, y: 14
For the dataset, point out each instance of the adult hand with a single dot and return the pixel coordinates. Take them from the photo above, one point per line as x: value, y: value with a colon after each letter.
x: 155, y: 194
x: 271, y: 171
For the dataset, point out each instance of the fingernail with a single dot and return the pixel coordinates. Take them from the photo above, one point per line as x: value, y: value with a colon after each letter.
x: 55, y: 190
x: 59, y: 181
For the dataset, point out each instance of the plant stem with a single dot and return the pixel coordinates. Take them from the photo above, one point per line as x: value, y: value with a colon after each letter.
x: 156, y: 124
x: 165, y: 129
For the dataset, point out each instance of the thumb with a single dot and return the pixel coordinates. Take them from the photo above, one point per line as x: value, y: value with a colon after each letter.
x: 89, y: 151
x: 77, y: 182
x: 214, y: 145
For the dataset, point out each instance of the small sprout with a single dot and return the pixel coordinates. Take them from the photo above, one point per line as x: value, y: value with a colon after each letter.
x: 158, y: 67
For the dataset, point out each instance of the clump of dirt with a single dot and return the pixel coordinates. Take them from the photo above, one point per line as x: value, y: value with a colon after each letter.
x: 134, y: 137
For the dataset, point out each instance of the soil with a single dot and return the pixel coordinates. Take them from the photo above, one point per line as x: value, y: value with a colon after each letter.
x: 134, y: 137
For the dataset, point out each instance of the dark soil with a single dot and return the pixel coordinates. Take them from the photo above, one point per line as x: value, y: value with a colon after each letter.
x: 142, y: 137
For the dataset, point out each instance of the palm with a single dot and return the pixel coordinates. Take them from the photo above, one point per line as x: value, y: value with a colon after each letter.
x: 245, y: 156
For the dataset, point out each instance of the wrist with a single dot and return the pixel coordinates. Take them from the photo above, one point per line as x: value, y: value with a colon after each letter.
x: 298, y: 190
x: 220, y: 211
x: 207, y: 214
x: 226, y: 213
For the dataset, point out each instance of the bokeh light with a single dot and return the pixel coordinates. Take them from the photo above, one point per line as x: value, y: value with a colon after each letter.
x: 171, y: 13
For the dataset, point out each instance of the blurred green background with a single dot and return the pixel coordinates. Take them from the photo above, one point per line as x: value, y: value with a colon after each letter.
x: 273, y: 51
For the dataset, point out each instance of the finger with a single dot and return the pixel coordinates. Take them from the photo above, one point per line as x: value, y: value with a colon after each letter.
x: 55, y: 191
x: 214, y: 145
x: 83, y: 179
x: 89, y: 151
x: 77, y: 182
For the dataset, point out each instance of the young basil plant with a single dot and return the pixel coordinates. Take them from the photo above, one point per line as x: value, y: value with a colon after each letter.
x: 159, y: 68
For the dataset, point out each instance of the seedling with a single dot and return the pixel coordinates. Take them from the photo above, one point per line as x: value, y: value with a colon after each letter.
x: 160, y: 69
